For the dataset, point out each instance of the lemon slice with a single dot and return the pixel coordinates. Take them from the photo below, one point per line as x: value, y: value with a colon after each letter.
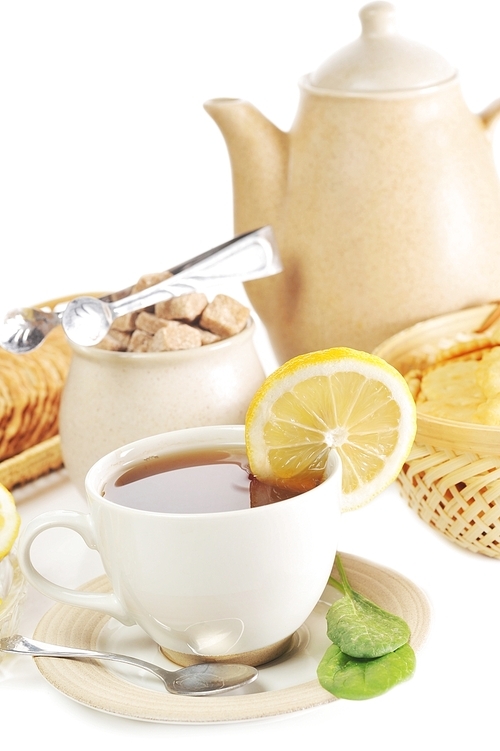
x: 9, y: 521
x: 338, y: 399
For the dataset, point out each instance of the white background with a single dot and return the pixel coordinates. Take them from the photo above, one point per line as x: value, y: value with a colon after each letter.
x: 109, y: 167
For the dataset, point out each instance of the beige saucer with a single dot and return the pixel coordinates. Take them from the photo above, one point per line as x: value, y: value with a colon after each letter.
x: 283, y: 686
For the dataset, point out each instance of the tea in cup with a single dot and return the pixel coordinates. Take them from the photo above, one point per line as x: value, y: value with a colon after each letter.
x: 211, y: 564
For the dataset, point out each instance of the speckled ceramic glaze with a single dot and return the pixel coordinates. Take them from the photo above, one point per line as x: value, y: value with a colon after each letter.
x: 113, y: 398
x: 384, y: 195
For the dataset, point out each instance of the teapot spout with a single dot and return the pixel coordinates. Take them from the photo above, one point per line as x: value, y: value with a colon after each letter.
x: 258, y: 153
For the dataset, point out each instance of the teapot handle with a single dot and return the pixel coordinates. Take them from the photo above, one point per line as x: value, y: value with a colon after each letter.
x: 490, y: 116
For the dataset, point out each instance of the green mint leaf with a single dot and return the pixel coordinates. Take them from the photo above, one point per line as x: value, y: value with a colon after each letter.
x: 362, y: 629
x: 352, y: 678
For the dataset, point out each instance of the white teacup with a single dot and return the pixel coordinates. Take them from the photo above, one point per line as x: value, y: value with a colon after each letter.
x: 226, y: 585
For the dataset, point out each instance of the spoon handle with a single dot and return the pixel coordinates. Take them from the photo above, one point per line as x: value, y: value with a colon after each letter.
x: 201, y: 679
x: 22, y: 645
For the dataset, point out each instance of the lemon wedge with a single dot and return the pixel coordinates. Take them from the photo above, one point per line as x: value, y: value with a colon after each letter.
x: 9, y: 521
x: 341, y: 399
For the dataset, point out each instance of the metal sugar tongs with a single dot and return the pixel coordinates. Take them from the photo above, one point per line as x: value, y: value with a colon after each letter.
x: 86, y: 320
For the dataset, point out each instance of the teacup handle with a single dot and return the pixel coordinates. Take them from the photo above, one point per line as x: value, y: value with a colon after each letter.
x: 80, y: 523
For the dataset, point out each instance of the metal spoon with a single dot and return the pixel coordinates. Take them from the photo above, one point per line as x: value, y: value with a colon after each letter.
x: 86, y: 320
x: 196, y: 680
x: 25, y: 329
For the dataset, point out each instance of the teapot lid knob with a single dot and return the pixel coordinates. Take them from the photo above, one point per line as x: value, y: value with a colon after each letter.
x: 380, y: 61
x: 378, y: 18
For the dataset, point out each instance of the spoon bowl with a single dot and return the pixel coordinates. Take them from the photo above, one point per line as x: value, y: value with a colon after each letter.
x: 203, y: 679
x: 24, y: 329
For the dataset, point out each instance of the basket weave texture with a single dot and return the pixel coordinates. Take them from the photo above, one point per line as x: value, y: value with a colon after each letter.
x: 457, y: 494
x: 31, y: 463
x: 452, y: 475
x: 32, y: 460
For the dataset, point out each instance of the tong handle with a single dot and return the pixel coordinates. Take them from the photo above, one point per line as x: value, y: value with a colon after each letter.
x: 252, y: 255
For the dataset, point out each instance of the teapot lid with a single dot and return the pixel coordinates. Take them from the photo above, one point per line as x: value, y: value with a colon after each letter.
x: 381, y: 60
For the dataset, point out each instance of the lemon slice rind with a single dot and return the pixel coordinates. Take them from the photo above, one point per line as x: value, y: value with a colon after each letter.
x: 326, y: 426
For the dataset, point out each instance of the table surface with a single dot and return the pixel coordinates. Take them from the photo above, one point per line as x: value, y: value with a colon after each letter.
x: 449, y: 694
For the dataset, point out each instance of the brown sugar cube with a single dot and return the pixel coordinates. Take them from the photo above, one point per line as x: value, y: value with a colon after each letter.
x: 148, y: 280
x: 149, y: 323
x: 115, y: 341
x: 183, y: 308
x: 109, y: 343
x: 140, y: 342
x: 124, y: 323
x: 224, y: 316
x: 174, y: 337
x: 208, y: 338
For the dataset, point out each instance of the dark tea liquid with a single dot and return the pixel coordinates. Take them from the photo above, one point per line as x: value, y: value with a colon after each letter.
x: 195, y: 482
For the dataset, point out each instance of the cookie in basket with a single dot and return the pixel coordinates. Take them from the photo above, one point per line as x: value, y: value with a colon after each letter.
x: 30, y: 393
x: 462, y: 385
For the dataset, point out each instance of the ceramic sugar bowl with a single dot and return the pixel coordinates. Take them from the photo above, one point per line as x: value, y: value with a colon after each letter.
x: 384, y: 195
x: 114, y: 398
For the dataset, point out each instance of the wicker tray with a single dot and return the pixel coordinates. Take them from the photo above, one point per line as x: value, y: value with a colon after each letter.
x: 32, y: 463
x: 452, y: 475
x: 41, y: 458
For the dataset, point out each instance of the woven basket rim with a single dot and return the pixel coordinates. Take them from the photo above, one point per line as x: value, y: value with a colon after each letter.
x: 460, y: 436
x: 437, y: 431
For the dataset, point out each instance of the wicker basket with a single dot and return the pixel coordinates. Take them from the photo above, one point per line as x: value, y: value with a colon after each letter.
x: 28, y: 465
x: 41, y: 458
x: 452, y: 475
